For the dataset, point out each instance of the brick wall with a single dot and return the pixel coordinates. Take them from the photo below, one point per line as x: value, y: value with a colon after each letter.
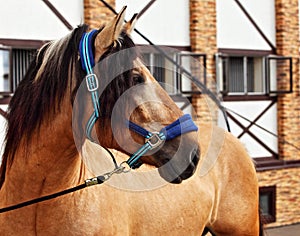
x: 287, y: 182
x: 96, y: 13
x: 203, y: 32
x: 287, y: 44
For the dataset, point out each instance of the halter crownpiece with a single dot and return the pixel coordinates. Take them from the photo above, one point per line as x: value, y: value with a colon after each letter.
x: 153, y: 140
x: 87, y: 63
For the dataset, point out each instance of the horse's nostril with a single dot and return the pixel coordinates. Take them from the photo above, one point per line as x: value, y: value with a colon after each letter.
x: 191, y: 168
x: 195, y: 156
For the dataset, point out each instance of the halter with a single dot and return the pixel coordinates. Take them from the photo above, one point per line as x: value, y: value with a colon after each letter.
x: 181, y: 126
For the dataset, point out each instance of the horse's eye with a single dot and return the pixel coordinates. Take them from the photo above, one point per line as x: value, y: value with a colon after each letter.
x: 138, y: 79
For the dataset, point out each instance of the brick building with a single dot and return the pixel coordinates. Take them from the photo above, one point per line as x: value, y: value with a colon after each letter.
x: 250, y: 52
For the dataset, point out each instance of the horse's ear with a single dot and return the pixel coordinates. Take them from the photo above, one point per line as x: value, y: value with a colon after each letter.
x: 129, y: 26
x: 110, y: 33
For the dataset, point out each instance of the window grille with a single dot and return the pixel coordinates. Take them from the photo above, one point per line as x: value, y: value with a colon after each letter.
x: 21, y: 59
x: 156, y: 65
x: 5, y: 71
x: 236, y: 75
x: 13, y: 65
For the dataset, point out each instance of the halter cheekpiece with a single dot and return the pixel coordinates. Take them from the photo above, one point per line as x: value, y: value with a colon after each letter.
x: 153, y: 140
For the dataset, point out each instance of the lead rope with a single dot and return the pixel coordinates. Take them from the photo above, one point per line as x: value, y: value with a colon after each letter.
x: 87, y: 183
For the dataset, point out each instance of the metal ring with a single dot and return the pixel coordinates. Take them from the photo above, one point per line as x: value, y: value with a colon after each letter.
x: 125, y: 170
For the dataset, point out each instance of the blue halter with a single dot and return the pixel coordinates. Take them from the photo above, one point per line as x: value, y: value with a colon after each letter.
x: 87, y: 63
x: 181, y: 126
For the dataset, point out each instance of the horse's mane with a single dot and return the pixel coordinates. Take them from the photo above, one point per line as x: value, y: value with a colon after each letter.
x: 40, y: 93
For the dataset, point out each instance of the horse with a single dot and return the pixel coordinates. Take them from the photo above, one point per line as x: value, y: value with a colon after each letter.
x: 172, y: 189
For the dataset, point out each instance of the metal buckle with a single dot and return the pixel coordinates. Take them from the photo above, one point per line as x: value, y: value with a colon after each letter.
x: 92, y: 85
x: 155, y: 140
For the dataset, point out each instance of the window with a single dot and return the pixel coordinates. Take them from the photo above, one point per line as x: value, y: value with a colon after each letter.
x: 169, y: 73
x: 267, y: 201
x: 195, y: 64
x: 156, y: 65
x: 253, y: 75
x: 21, y: 59
x: 13, y: 66
x: 163, y: 70
x: 173, y: 75
x: 5, y: 73
x: 241, y: 75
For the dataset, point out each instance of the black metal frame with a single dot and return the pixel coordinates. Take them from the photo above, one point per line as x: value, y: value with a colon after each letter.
x: 270, y: 192
x: 268, y: 79
x: 179, y: 73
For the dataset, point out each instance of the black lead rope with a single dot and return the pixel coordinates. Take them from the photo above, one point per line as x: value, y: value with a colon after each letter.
x: 42, y: 199
x: 87, y: 183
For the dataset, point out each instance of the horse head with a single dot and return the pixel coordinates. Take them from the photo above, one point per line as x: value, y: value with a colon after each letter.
x: 133, y: 111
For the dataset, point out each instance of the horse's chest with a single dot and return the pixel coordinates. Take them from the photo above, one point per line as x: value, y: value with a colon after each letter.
x: 167, y: 211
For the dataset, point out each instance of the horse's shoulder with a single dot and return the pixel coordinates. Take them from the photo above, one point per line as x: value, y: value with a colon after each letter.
x: 212, y: 134
x: 209, y: 135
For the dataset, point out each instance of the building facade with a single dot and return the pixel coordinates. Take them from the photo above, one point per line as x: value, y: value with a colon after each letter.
x: 246, y: 53
x: 255, y: 48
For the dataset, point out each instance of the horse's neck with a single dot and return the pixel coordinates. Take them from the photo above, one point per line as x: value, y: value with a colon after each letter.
x: 48, y: 164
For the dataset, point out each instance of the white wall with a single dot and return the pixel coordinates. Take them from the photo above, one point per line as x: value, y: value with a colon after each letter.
x: 235, y: 31
x: 166, y: 22
x: 32, y: 19
x: 250, y: 110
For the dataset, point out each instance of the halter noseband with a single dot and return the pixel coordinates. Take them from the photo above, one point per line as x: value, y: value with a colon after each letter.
x: 181, y: 126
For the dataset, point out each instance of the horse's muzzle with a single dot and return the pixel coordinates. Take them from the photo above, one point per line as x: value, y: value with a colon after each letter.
x: 190, y: 169
x: 182, y: 167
